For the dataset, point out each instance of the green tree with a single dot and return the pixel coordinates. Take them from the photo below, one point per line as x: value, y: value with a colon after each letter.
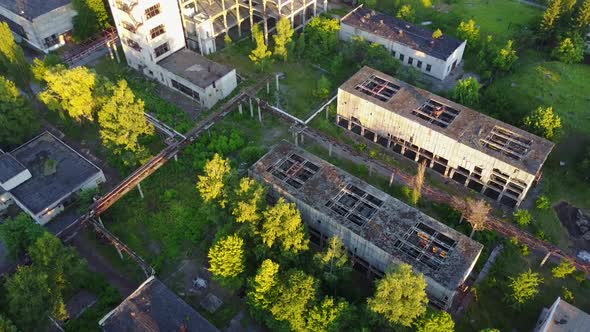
x: 524, y: 287
x: 435, y: 321
x: 564, y: 269
x: 570, y: 50
x: 122, y: 120
x: 250, y: 195
x: 551, y: 17
x: 334, y: 262
x: 300, y: 46
x: 263, y: 287
x: 212, y: 185
x: 260, y: 55
x: 17, y: 119
x: 323, y: 317
x: 437, y: 34
x: 467, y: 91
x: 543, y: 203
x: 92, y: 18
x: 523, y: 217
x: 71, y: 90
x: 506, y: 57
x: 321, y: 34
x: 19, y: 233
x: 400, y: 296
x: 468, y: 31
x: 283, y: 38
x: 282, y: 224
x: 322, y: 90
x: 227, y: 40
x: 12, y: 59
x: 582, y: 20
x: 295, y: 296
x: 406, y: 13
x: 418, y: 183
x: 6, y: 325
x: 29, y: 297
x: 544, y: 122
x: 226, y: 257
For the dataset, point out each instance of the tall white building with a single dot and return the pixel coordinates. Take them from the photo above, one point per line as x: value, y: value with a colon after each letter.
x: 152, y: 36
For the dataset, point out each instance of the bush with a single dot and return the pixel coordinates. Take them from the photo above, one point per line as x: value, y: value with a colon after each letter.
x: 252, y: 153
x: 523, y: 217
x: 543, y: 203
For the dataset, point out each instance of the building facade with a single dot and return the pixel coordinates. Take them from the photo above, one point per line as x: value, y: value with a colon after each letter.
x: 152, y: 36
x: 43, y: 24
x: 378, y: 230
x: 477, y: 151
x: 206, y: 22
x: 411, y: 44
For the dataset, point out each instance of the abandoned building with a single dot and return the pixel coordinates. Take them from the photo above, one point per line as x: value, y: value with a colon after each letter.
x: 477, y: 151
x: 206, y: 22
x: 154, y: 307
x: 152, y: 36
x: 43, y: 176
x: 43, y: 24
x: 411, y: 44
x: 378, y: 230
x: 562, y: 317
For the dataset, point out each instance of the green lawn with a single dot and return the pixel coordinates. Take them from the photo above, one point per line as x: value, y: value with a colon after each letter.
x: 501, y: 18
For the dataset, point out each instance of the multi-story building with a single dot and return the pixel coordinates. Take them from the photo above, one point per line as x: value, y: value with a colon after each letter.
x: 43, y: 24
x: 152, y: 36
x: 480, y: 152
x: 411, y: 44
x: 206, y: 22
x: 378, y: 230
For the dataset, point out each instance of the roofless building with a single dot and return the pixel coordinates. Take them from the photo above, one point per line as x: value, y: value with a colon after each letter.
x: 480, y: 152
x: 378, y: 230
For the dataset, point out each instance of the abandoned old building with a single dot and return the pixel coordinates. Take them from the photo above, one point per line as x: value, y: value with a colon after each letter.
x: 154, y: 307
x: 477, y: 151
x: 411, y: 44
x: 562, y: 317
x: 206, y: 22
x: 152, y: 36
x: 43, y: 24
x: 43, y: 176
x: 378, y: 230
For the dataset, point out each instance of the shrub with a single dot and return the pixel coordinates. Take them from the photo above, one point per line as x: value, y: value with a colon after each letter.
x: 564, y: 269
x: 523, y: 217
x: 543, y: 203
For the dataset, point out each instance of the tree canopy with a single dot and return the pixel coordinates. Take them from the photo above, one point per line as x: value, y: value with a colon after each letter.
x: 333, y: 261
x: 283, y: 225
x: 283, y: 38
x: 294, y: 298
x: 467, y: 91
x: 564, y: 269
x: 583, y: 18
x: 321, y: 35
x: 212, y: 185
x: 17, y: 119
x: 12, y: 58
x: 435, y: 321
x: 400, y: 297
x: 323, y: 317
x: 259, y: 55
x: 544, y: 122
x: 264, y: 285
x: 30, y: 298
x: 227, y: 257
x: 468, y: 31
x: 524, y: 287
x: 505, y: 57
x: 250, y: 198
x: 570, y: 50
x: 6, y: 325
x: 19, y: 233
x: 92, y: 18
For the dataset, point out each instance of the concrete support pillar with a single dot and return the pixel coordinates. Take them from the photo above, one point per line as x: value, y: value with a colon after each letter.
x: 370, y: 169
x: 240, y: 108
x: 118, y: 251
x: 277, y: 81
x: 403, y: 150
x: 391, y: 178
x: 265, y: 30
x: 451, y: 172
x: 110, y: 50
x: 100, y: 221
x: 375, y: 138
x: 327, y: 113
x: 292, y: 15
x: 267, y: 87
x: 140, y: 191
x: 116, y: 51
x: 238, y: 18
x: 251, y: 9
x: 304, y: 12
x: 296, y: 139
x: 251, y: 108
x: 330, y: 150
x: 389, y: 144
x: 259, y: 114
x: 545, y: 258
x: 325, y: 6
x: 362, y: 131
x: 302, y: 138
x: 315, y: 8
x: 224, y: 16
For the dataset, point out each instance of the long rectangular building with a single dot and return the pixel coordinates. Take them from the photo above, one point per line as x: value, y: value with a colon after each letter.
x: 485, y: 154
x: 378, y: 230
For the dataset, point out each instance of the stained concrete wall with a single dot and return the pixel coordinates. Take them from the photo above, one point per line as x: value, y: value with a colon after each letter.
x: 210, y: 95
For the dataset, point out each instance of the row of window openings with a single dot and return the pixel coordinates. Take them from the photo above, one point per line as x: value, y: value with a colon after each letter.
x: 411, y: 61
x: 497, y: 184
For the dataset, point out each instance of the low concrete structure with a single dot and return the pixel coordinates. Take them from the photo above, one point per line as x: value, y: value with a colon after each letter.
x: 489, y: 156
x: 43, y: 175
x: 43, y: 24
x: 378, y: 230
x: 154, y: 307
x: 411, y: 44
x: 562, y: 317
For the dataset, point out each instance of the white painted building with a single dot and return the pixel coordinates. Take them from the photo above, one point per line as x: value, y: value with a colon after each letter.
x: 412, y: 45
x: 152, y: 36
x: 43, y: 176
x: 562, y: 317
x: 43, y: 24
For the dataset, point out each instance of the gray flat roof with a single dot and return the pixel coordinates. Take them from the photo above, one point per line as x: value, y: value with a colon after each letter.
x: 154, y: 307
x: 385, y: 221
x: 33, y: 8
x: 411, y: 35
x: 9, y: 167
x: 42, y: 190
x: 194, y: 67
x: 567, y: 318
x: 468, y: 127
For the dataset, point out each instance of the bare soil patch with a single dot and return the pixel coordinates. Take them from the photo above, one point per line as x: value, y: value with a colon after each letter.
x: 569, y: 217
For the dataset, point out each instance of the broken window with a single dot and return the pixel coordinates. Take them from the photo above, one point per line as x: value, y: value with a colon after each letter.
x: 378, y: 87
x: 425, y: 245
x: 507, y: 142
x: 436, y: 113
x: 294, y: 170
x: 355, y: 204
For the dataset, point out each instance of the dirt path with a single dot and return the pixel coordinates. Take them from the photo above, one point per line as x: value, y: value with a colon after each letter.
x: 99, y: 263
